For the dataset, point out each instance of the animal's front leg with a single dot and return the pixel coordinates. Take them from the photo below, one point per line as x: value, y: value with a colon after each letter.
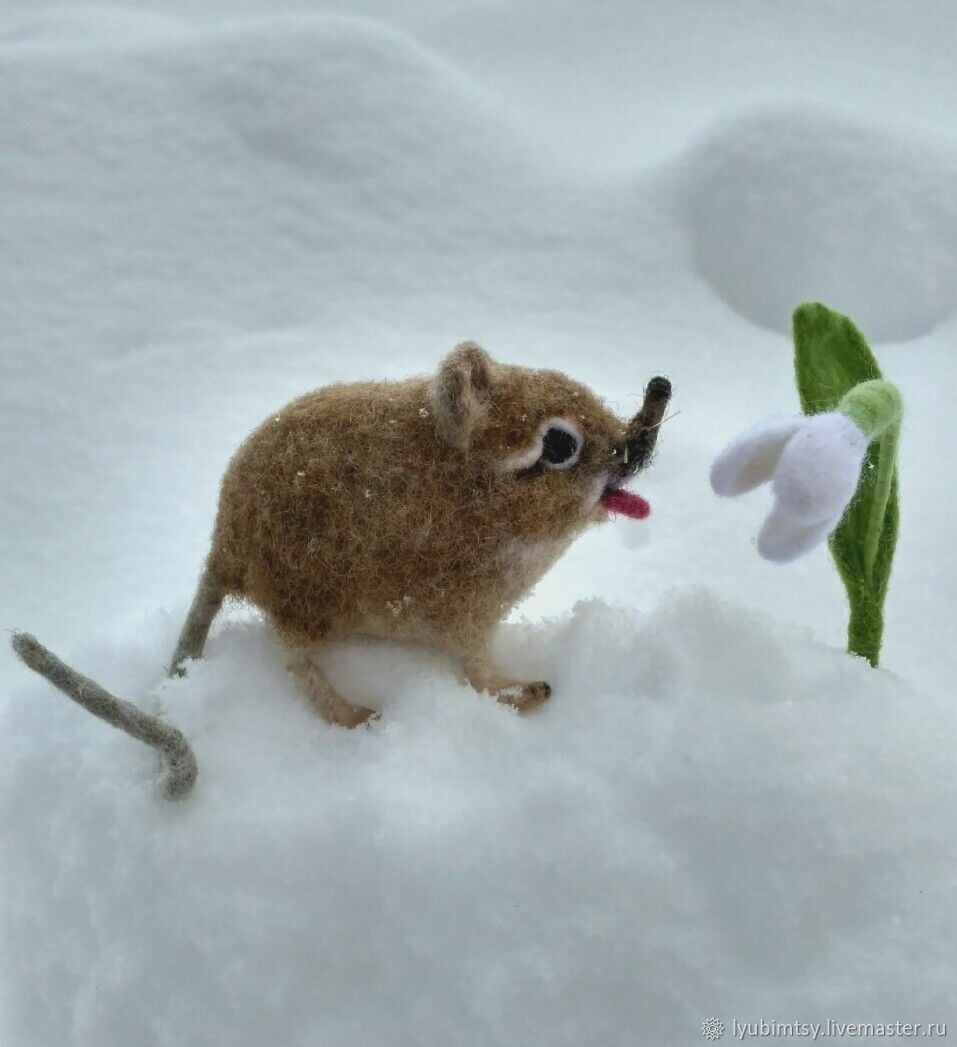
x: 331, y: 705
x: 516, y: 693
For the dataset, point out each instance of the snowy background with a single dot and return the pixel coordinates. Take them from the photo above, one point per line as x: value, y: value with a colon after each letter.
x: 209, y: 209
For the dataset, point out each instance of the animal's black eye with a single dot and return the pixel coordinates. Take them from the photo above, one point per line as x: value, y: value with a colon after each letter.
x: 560, y: 447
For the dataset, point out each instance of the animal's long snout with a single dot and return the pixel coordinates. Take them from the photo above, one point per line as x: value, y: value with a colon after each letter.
x: 642, y: 432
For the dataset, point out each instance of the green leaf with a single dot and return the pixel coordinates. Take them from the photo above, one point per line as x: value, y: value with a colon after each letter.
x: 831, y: 357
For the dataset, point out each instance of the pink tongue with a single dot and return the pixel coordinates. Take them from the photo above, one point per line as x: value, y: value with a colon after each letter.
x: 617, y: 500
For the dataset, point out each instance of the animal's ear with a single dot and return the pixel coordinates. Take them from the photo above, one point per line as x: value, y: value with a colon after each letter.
x: 460, y: 393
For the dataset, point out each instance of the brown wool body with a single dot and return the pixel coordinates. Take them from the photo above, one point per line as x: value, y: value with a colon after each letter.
x: 420, y: 510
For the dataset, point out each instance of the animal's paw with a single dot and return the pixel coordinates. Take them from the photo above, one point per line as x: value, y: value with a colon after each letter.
x: 345, y: 714
x: 524, y: 696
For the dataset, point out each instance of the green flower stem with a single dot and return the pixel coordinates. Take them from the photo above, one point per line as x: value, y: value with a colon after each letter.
x: 865, y: 627
x: 876, y: 408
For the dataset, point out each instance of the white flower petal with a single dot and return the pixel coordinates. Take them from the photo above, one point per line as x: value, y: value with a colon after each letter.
x: 750, y: 459
x: 784, y: 538
x: 819, y: 469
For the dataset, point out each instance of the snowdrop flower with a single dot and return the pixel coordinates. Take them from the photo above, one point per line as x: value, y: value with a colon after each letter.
x: 813, y: 463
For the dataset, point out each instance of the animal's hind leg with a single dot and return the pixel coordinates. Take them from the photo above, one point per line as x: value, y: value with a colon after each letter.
x: 331, y: 705
x: 516, y: 693
x: 208, y: 599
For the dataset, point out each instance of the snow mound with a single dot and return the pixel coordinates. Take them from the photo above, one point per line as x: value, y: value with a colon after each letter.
x: 785, y: 206
x: 232, y: 176
x: 93, y: 24
x: 713, y: 815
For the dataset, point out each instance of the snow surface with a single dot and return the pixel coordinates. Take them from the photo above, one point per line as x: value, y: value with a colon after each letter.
x: 206, y: 211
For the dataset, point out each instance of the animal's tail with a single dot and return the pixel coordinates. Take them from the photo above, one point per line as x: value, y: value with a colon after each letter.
x: 179, y: 763
x: 180, y: 768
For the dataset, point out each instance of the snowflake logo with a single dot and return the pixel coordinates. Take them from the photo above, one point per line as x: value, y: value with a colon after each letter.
x: 712, y: 1029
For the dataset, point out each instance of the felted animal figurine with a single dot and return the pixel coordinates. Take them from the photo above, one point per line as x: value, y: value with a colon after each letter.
x: 833, y: 469
x: 419, y: 510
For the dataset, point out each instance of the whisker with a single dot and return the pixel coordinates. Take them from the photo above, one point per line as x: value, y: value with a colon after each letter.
x: 667, y: 418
